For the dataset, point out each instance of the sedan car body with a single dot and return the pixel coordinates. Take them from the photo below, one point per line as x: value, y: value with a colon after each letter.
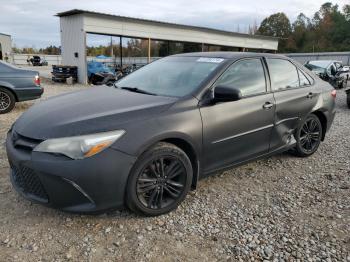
x: 145, y: 142
x: 17, y: 85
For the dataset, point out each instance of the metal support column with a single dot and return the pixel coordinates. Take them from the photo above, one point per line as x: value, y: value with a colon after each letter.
x: 149, y: 50
x: 121, y: 52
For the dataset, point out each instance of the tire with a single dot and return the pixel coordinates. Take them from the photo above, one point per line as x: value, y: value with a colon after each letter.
x: 110, y: 83
x: 343, y: 84
x: 308, y: 136
x: 151, y: 191
x: 7, y: 101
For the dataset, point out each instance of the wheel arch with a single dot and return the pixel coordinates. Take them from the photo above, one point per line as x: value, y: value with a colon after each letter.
x: 323, y: 119
x: 186, y: 144
x: 10, y: 90
x: 190, y: 152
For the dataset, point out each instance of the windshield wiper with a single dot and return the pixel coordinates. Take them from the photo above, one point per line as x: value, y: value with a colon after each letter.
x: 137, y: 90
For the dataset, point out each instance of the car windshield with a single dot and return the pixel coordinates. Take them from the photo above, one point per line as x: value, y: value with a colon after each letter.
x: 171, y: 76
x: 317, y: 65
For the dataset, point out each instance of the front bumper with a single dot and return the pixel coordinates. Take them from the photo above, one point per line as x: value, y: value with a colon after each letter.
x: 90, y: 185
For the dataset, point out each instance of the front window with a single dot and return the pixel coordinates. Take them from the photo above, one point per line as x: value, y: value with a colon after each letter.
x: 246, y: 75
x: 171, y: 76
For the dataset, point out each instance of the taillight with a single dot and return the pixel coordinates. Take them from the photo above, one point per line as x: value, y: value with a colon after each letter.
x: 334, y: 93
x: 37, y: 80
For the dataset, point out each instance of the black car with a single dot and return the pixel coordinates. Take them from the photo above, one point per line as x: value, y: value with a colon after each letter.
x: 37, y: 61
x: 330, y: 71
x: 17, y: 85
x: 145, y: 142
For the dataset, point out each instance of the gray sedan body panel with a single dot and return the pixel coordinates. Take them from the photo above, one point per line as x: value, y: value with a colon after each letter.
x: 20, y: 82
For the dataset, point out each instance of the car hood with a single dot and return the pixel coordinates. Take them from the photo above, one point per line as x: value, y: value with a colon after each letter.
x: 94, y: 110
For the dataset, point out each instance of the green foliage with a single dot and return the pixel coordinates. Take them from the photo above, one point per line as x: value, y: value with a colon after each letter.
x: 50, y: 50
x: 327, y: 30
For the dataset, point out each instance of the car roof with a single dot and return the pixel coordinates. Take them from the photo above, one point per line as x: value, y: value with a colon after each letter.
x: 230, y: 55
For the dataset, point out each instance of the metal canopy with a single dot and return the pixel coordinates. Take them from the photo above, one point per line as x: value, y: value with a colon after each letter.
x: 76, y: 23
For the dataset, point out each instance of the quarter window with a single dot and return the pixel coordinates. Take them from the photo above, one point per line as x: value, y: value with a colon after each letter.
x: 246, y: 75
x: 304, y: 81
x: 283, y: 74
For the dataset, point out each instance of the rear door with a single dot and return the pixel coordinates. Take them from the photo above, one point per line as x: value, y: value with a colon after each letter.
x: 295, y: 96
x: 238, y: 130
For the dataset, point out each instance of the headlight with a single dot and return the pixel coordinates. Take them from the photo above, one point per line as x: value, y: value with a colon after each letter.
x: 79, y: 147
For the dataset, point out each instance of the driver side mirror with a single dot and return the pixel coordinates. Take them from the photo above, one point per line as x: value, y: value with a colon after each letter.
x: 226, y: 94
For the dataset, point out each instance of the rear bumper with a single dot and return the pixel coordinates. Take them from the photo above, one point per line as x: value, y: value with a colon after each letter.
x: 90, y: 185
x: 29, y: 93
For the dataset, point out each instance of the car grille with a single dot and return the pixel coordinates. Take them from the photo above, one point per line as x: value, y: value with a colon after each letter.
x: 24, y: 143
x: 29, y: 183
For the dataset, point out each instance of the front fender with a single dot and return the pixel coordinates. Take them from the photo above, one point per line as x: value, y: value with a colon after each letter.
x: 166, y: 136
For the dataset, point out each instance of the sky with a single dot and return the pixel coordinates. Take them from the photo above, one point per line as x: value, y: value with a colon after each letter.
x: 32, y: 23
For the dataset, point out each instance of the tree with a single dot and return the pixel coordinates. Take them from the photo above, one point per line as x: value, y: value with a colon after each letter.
x: 346, y: 10
x: 328, y: 30
x: 301, y: 28
x: 277, y: 25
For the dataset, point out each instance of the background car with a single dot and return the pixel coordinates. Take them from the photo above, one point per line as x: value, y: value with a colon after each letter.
x: 330, y: 71
x: 37, y: 61
x: 17, y: 85
x: 145, y: 143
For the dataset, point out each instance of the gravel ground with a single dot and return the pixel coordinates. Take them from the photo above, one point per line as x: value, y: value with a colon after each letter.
x: 280, y: 209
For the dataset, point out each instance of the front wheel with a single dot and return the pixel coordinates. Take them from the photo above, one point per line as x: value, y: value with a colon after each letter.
x: 308, y: 136
x: 159, y: 181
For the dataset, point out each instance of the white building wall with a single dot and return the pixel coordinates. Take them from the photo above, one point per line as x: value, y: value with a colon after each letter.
x: 6, y: 45
x: 73, y: 40
x: 22, y: 59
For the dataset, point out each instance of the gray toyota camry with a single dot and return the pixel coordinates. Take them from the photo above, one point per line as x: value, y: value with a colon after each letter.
x: 146, y: 142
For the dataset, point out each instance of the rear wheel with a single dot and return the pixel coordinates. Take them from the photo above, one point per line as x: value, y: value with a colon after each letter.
x: 7, y: 101
x: 159, y: 181
x: 308, y: 136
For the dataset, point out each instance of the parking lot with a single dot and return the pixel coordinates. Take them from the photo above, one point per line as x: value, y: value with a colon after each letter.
x: 281, y: 208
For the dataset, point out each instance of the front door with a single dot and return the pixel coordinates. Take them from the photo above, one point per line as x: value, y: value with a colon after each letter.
x: 237, y: 131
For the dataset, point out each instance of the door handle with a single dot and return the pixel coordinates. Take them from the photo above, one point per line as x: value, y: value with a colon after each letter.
x: 268, y: 105
x: 310, y: 95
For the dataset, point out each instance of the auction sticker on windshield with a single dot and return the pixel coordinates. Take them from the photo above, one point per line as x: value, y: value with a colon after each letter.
x: 210, y: 60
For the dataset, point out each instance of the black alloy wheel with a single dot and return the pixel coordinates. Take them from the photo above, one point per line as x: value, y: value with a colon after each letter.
x: 309, y: 136
x: 7, y: 101
x: 159, y: 181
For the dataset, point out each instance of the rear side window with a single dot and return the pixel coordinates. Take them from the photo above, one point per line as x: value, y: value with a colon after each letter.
x: 246, y: 75
x: 283, y: 73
